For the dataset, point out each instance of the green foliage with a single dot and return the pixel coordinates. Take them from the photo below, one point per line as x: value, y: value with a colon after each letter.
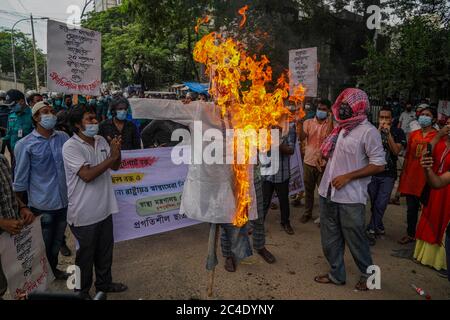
x: 23, y: 52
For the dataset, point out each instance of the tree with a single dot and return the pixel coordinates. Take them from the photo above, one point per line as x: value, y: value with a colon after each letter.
x: 23, y: 52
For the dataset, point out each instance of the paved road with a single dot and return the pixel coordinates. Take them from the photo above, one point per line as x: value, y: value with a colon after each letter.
x: 172, y: 266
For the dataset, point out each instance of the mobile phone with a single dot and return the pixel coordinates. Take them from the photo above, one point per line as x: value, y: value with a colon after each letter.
x: 429, y: 150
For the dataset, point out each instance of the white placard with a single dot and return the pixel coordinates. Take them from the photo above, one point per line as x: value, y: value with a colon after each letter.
x: 303, y: 69
x: 73, y: 59
x: 24, y: 260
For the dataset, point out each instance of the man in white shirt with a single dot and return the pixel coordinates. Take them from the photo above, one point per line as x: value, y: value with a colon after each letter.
x: 87, y: 161
x: 355, y: 152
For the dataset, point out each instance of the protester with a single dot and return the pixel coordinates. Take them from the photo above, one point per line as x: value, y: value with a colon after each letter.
x: 4, y: 114
x: 14, y: 214
x: 19, y: 120
x: 34, y: 98
x: 257, y: 226
x: 412, y: 179
x: 158, y: 133
x: 406, y: 118
x: 313, y: 132
x: 57, y: 102
x: 87, y: 160
x: 39, y: 175
x: 355, y: 152
x: 382, y: 184
x: 430, y: 249
x: 67, y: 102
x: 279, y: 182
x: 120, y: 126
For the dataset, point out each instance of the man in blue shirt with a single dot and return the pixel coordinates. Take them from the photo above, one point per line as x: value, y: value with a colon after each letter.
x: 39, y: 173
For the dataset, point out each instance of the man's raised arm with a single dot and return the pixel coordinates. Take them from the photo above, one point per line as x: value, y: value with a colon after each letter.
x: 163, y: 109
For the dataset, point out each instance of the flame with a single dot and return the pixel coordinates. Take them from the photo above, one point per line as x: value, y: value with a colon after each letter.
x: 239, y: 86
x: 243, y: 14
x: 201, y: 21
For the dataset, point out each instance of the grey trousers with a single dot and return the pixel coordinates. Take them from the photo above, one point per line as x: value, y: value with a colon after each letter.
x: 96, y: 243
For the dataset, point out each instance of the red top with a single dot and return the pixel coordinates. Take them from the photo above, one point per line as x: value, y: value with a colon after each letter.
x: 412, y: 180
x: 436, y: 215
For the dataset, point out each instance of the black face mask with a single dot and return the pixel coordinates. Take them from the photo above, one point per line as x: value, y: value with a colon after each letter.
x: 345, y: 111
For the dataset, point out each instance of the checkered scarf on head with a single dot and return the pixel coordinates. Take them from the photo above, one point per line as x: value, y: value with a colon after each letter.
x: 359, y: 102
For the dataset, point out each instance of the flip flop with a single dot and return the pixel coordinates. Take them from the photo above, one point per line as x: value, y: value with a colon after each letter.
x: 325, y: 279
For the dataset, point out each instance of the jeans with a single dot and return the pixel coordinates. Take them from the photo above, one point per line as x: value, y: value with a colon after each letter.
x: 282, y: 190
x: 53, y: 225
x: 312, y: 177
x: 96, y: 243
x: 413, y: 207
x: 235, y: 242
x: 342, y: 224
x: 380, y: 189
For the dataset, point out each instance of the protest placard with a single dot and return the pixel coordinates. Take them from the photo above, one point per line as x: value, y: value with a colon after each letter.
x: 303, y: 70
x: 73, y: 59
x: 24, y: 260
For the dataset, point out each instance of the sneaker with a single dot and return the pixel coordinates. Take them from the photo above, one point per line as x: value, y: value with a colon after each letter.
x: 288, y: 229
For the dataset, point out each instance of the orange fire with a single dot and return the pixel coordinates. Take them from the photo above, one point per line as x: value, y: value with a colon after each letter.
x: 201, y: 21
x: 242, y: 12
x: 239, y: 87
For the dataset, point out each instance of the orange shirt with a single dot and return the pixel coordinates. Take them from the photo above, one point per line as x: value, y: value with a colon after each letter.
x: 412, y: 180
x: 315, y: 134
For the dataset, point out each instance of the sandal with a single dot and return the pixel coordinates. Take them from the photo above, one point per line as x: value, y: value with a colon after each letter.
x: 362, y: 285
x: 406, y: 240
x: 230, y: 265
x: 325, y: 279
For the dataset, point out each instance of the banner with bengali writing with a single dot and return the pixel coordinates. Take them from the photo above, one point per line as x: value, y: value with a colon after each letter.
x: 303, y: 69
x: 148, y: 188
x: 24, y: 261
x: 73, y: 59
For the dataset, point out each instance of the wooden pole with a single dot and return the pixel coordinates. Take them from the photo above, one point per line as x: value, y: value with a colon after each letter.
x: 213, y: 271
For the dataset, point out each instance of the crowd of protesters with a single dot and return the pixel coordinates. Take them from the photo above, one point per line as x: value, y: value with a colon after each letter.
x: 63, y: 147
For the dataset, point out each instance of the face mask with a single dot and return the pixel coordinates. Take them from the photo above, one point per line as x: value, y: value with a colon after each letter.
x: 345, y: 112
x: 425, y: 121
x: 48, y: 121
x: 321, y: 115
x: 91, y: 130
x: 121, y: 115
x: 58, y: 103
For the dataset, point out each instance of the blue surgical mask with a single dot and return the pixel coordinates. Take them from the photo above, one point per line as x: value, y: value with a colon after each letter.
x: 58, y: 103
x: 91, y: 130
x: 121, y: 115
x: 425, y: 121
x: 321, y: 115
x: 48, y: 121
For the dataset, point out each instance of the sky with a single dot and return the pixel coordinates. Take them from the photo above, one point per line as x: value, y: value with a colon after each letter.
x: 13, y: 10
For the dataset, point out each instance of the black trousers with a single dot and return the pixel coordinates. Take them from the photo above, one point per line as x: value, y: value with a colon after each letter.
x: 96, y: 244
x: 412, y: 216
x: 282, y: 190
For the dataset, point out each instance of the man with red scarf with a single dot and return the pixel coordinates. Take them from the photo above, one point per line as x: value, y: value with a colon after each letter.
x: 354, y: 152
